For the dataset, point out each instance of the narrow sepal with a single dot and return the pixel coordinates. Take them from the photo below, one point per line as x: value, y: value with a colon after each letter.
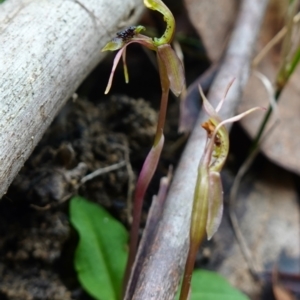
x: 116, y: 61
x: 238, y: 117
x: 174, y: 68
x: 215, y: 204
x: 140, y: 39
x: 207, y: 106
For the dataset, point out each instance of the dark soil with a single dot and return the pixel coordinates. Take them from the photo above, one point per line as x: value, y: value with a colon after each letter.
x: 36, y: 235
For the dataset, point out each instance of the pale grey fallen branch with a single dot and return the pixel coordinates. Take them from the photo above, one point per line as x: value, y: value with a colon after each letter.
x: 162, y: 269
x: 47, y: 48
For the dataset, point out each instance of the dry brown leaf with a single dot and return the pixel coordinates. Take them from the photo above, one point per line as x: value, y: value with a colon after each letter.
x: 283, y: 141
x: 213, y: 20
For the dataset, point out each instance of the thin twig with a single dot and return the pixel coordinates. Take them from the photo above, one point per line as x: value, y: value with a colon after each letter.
x: 102, y: 171
x: 91, y: 176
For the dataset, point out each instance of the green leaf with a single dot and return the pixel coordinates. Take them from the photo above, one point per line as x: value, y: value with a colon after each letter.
x: 101, y: 254
x: 207, y: 285
x: 1, y: 1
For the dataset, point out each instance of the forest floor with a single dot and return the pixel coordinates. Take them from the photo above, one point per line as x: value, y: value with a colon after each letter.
x: 91, y: 132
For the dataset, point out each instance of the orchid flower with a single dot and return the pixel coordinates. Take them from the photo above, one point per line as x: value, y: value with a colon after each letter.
x: 208, y: 195
x: 170, y: 66
x: 171, y: 77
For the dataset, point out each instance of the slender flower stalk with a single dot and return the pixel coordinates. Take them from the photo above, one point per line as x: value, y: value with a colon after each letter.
x: 208, y: 195
x: 172, y: 78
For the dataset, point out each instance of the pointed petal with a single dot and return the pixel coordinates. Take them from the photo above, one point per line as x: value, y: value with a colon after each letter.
x: 140, y: 39
x: 114, y: 44
x: 226, y: 92
x: 207, y: 106
x: 173, y: 66
x: 116, y: 60
x: 190, y: 101
x: 215, y: 204
x: 238, y: 117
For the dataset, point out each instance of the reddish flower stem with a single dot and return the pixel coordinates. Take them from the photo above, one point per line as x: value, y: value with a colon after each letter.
x: 147, y: 172
x: 165, y: 87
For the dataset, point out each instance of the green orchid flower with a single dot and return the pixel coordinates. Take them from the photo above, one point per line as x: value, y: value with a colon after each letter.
x: 207, y: 208
x: 170, y: 66
x: 171, y: 73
